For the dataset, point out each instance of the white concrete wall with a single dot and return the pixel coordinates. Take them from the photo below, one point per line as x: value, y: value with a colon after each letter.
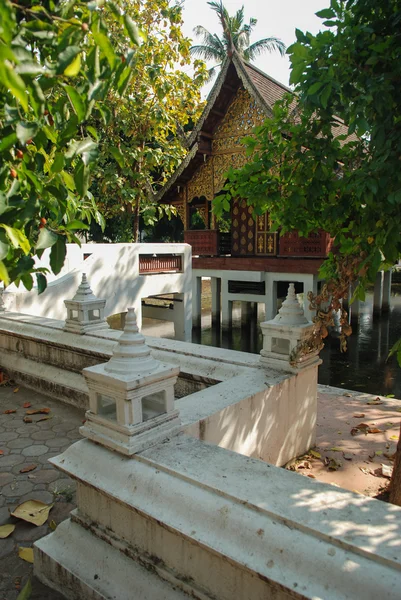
x: 216, y: 524
x: 260, y: 414
x: 113, y: 273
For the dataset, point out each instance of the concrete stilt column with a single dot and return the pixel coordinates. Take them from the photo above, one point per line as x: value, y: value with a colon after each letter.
x: 226, y: 306
x: 386, y: 290
x: 378, y: 293
x: 246, y: 312
x: 183, y: 318
x: 196, y: 301
x: 216, y: 299
x: 271, y: 293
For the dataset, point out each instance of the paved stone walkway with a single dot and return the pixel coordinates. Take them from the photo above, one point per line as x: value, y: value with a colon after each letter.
x: 23, y: 444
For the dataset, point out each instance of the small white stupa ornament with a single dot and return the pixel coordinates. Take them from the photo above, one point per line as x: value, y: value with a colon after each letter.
x: 284, y: 334
x: 131, y: 397
x: 85, y: 312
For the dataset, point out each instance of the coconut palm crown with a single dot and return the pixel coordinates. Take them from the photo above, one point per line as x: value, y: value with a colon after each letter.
x: 236, y: 37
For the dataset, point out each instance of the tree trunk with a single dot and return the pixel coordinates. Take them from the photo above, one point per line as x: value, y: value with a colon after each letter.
x: 395, y: 484
x: 136, y: 220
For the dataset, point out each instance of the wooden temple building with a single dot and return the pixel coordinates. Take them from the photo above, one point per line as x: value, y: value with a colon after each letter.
x: 247, y: 262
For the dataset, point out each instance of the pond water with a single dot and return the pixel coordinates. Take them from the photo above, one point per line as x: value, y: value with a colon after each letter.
x: 363, y: 367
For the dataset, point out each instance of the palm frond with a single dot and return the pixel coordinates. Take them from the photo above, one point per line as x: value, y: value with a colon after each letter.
x: 266, y: 45
x: 206, y: 52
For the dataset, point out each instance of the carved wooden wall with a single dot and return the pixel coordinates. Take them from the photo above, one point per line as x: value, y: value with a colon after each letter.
x: 242, y: 229
x: 242, y: 116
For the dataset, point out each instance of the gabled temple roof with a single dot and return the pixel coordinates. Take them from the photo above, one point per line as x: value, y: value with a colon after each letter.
x: 235, y: 73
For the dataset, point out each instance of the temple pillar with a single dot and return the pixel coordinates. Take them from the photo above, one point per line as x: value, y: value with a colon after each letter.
x: 271, y: 293
x: 226, y: 306
x: 378, y: 293
x: 386, y: 290
x: 215, y: 285
x: 196, y: 301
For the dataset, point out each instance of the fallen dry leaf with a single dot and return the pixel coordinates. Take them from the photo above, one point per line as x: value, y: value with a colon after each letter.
x: 27, y: 420
x: 38, y: 411
x: 336, y: 449
x: 9, y: 411
x: 387, y: 471
x: 348, y: 395
x: 53, y: 525
x: 1, y: 452
x: 315, y: 454
x: 43, y: 419
x: 311, y: 476
x: 359, y: 415
x: 33, y: 511
x: 364, y: 470
x: 28, y: 468
x: 374, y: 430
x: 375, y: 401
x: 394, y: 437
x: 15, y: 390
x: 304, y: 464
x: 6, y: 530
x: 26, y: 554
x: 26, y: 405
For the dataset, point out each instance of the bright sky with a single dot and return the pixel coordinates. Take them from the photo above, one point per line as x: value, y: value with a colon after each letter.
x: 278, y: 19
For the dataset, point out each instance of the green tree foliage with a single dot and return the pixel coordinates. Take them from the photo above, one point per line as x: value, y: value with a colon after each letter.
x: 144, y: 141
x: 57, y: 67
x: 236, y: 36
x: 309, y: 176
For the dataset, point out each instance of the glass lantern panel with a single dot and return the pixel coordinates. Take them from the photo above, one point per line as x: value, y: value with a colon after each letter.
x: 106, y: 406
x: 94, y: 315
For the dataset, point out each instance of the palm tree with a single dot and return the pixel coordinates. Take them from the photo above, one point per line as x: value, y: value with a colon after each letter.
x: 236, y: 37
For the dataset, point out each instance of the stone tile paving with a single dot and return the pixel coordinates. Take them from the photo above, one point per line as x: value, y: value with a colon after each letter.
x: 25, y: 444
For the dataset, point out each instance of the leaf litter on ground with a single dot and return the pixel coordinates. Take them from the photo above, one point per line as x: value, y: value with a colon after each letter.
x: 26, y: 554
x: 6, y: 530
x: 33, y: 511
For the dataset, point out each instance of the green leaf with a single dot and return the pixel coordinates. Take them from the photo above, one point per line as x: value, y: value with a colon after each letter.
x: 3, y: 250
x: 58, y: 163
x: 325, y: 95
x: 74, y: 67
x: 16, y: 85
x: 17, y: 237
x: 46, y: 239
x: 117, y: 155
x: 326, y: 13
x: 66, y: 57
x: 41, y: 282
x: 68, y: 180
x: 76, y: 225
x: 315, y: 88
x: 26, y: 131
x: 27, y: 280
x: 77, y: 102
x: 8, y: 141
x: 81, y: 179
x: 4, y: 274
x: 132, y: 30
x: 105, y: 45
x: 57, y: 255
x: 86, y: 146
